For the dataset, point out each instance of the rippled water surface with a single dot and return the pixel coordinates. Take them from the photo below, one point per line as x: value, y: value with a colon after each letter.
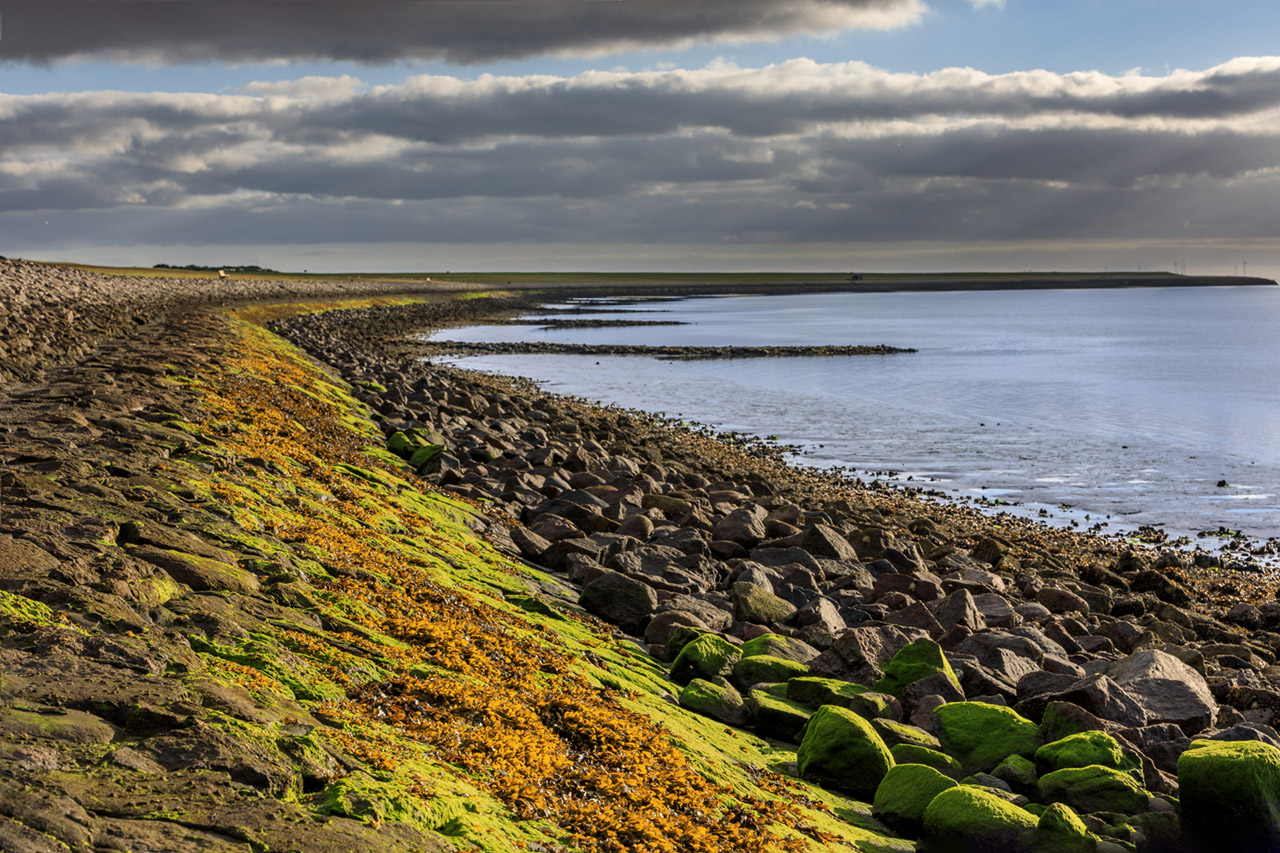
x: 1131, y: 404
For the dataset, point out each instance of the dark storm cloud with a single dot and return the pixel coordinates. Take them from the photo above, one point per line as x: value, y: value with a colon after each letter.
x: 380, y: 31
x: 794, y: 152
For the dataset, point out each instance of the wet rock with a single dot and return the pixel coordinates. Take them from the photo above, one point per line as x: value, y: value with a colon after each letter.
x: 619, y: 599
x: 754, y: 604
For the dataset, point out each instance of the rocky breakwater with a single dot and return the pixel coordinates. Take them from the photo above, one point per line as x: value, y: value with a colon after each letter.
x: 49, y: 313
x: 987, y: 684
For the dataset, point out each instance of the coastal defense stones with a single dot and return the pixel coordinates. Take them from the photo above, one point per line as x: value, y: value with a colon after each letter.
x: 752, y: 603
x: 974, y: 820
x: 759, y: 669
x: 905, y: 793
x: 744, y: 526
x: 777, y: 717
x: 980, y: 736
x: 709, y: 656
x: 1060, y: 830
x: 616, y: 598
x: 1084, y: 749
x: 200, y: 573
x: 1167, y: 689
x: 780, y: 647
x: 822, y: 541
x: 918, y: 660
x: 718, y: 701
x: 841, y: 750
x: 1231, y: 790
x: 859, y: 654
x: 815, y: 692
x: 1094, y: 789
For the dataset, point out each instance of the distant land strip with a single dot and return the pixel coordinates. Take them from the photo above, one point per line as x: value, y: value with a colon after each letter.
x: 663, y: 353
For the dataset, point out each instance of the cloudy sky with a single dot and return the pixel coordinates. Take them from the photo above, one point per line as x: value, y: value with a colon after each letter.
x: 643, y: 134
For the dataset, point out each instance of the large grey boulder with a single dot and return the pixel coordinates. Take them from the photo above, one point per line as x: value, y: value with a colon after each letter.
x: 1169, y: 690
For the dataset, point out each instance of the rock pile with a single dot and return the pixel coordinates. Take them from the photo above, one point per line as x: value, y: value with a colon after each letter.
x: 980, y: 689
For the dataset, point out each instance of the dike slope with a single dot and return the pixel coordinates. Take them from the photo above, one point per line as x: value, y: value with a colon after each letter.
x: 251, y: 600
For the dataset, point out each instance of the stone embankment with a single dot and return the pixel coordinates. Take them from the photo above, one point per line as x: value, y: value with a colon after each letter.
x: 53, y: 313
x: 215, y: 607
x: 986, y: 684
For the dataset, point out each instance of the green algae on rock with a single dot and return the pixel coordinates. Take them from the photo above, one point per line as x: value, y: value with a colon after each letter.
x: 776, y: 716
x: 1085, y: 748
x: 709, y: 656
x: 815, y: 692
x: 910, y: 753
x: 1094, y: 789
x: 1060, y: 830
x: 779, y: 647
x: 1231, y: 789
x: 749, y: 671
x: 904, y: 794
x: 918, y: 660
x: 841, y: 749
x: 718, y: 701
x: 980, y: 735
x: 975, y: 821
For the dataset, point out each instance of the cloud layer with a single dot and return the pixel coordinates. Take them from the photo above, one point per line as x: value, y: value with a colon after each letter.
x: 379, y: 31
x: 789, y: 153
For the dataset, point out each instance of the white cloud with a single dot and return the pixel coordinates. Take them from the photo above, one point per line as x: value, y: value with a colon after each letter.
x: 798, y: 151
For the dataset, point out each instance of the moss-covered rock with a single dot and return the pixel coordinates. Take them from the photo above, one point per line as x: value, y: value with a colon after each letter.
x: 980, y: 736
x: 1231, y: 789
x: 904, y: 794
x: 717, y: 701
x: 816, y: 692
x: 749, y: 671
x: 681, y: 637
x: 757, y: 605
x: 1018, y: 773
x: 1060, y: 830
x: 893, y: 733
x: 918, y: 660
x: 776, y: 717
x: 906, y: 753
x: 842, y: 751
x: 969, y: 819
x: 709, y: 656
x: 1093, y: 789
x: 1085, y: 748
x: 874, y: 706
x: 779, y: 647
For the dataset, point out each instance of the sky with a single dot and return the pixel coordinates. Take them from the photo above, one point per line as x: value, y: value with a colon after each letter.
x: 431, y: 135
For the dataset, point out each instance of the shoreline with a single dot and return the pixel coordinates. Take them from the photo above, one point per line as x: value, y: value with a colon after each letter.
x: 233, y: 617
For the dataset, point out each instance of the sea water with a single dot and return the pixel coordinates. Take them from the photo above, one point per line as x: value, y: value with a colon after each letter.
x: 1113, y: 407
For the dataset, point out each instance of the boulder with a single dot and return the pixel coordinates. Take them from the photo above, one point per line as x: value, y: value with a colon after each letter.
x: 842, y: 751
x: 745, y: 526
x: 1060, y: 830
x: 823, y: 541
x: 719, y: 701
x: 815, y: 692
x: 779, y: 647
x: 707, y: 657
x: 1098, y: 695
x: 759, y: 669
x: 1084, y: 749
x: 913, y: 662
x: 1094, y: 789
x: 616, y: 598
x: 776, y: 717
x: 905, y: 793
x: 980, y: 736
x: 974, y: 820
x: 910, y: 753
x: 755, y: 604
x: 1168, y: 690
x: 960, y: 609
x: 1231, y: 790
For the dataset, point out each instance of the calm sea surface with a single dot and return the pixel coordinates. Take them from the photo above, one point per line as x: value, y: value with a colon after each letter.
x: 1128, y: 406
